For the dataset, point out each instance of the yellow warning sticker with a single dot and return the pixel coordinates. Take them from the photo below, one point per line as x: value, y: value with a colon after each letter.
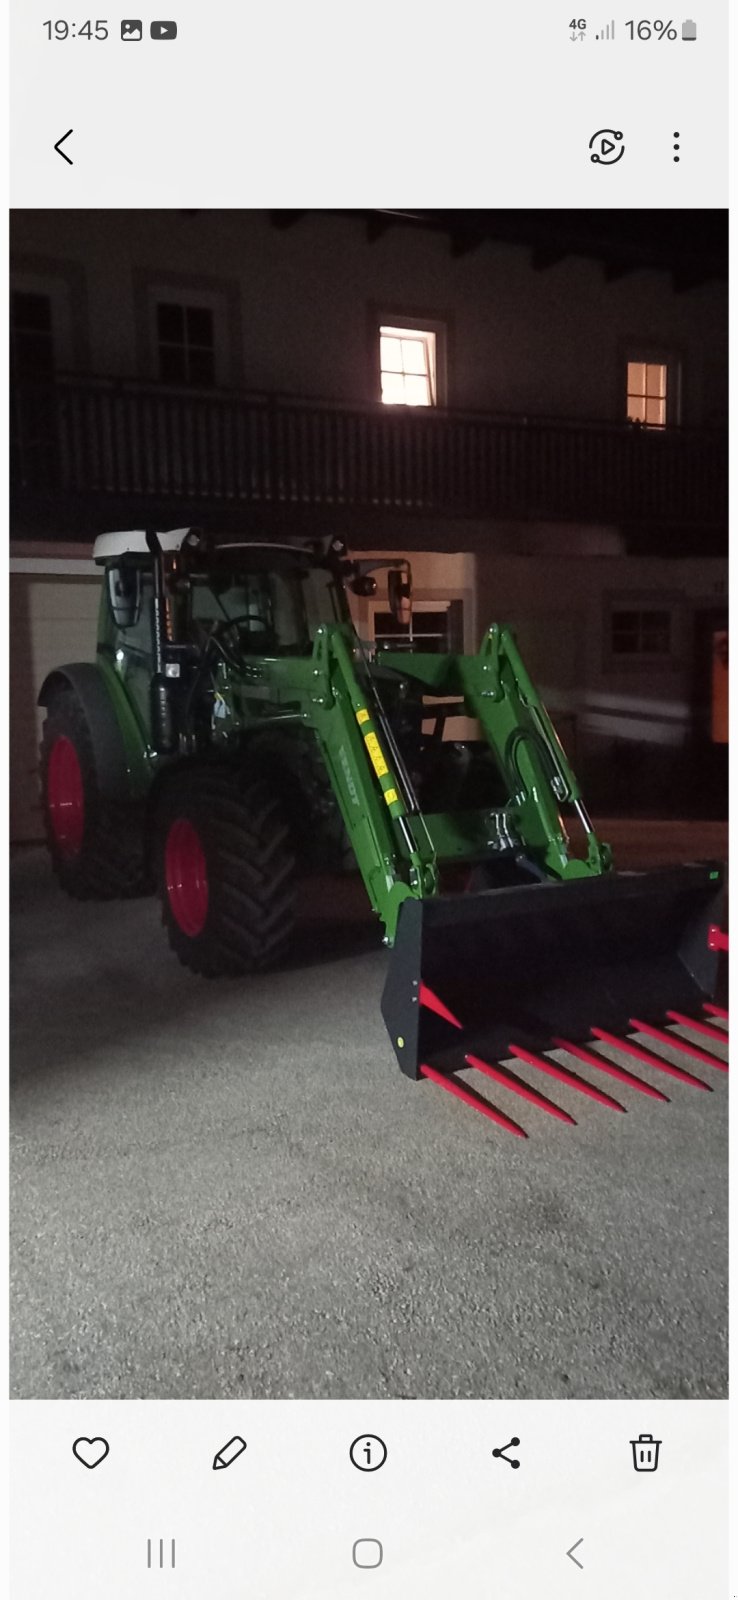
x: 377, y: 759
x: 362, y: 716
x: 390, y: 796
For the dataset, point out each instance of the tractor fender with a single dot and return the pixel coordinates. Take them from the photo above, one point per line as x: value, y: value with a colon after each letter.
x: 88, y: 683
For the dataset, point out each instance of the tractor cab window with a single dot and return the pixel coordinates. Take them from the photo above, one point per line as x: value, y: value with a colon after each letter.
x: 266, y: 608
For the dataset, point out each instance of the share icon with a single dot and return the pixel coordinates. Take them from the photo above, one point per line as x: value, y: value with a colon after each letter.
x: 501, y: 1456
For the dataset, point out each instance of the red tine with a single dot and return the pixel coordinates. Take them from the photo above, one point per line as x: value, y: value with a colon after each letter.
x: 715, y: 1011
x: 565, y: 1076
x: 633, y: 1049
x: 593, y: 1060
x: 474, y: 1100
x: 510, y: 1081
x: 678, y: 1043
x: 718, y: 1034
x: 431, y: 1000
x: 716, y: 939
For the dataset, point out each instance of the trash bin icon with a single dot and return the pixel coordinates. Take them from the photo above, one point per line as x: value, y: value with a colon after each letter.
x: 645, y: 1452
x: 689, y: 30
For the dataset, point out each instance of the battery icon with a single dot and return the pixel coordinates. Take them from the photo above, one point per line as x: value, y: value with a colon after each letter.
x: 689, y: 30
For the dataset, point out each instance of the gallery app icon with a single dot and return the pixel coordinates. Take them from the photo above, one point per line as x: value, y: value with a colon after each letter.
x: 131, y: 32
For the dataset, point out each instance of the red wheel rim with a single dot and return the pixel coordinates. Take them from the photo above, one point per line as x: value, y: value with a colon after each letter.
x: 65, y: 797
x: 187, y: 877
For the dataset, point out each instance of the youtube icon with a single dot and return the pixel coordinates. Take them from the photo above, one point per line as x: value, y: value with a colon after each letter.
x: 163, y: 30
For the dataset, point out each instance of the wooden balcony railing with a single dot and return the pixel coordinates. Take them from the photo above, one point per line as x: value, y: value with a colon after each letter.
x: 115, y: 440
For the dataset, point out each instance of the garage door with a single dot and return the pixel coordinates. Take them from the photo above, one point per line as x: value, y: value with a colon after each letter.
x: 53, y: 619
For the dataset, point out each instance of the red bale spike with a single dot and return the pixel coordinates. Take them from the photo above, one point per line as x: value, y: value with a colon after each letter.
x: 716, y: 1011
x: 431, y: 1000
x: 678, y: 1043
x: 509, y: 1080
x: 565, y: 1076
x: 593, y: 1060
x: 718, y: 1034
x: 716, y: 939
x: 474, y: 1100
x: 651, y: 1060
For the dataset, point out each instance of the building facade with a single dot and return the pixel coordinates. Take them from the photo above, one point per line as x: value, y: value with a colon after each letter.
x: 538, y: 420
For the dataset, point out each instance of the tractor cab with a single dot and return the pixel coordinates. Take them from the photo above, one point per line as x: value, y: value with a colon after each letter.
x: 264, y: 599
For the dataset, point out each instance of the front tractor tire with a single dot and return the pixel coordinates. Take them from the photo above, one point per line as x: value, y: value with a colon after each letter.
x: 225, y: 872
x: 96, y: 845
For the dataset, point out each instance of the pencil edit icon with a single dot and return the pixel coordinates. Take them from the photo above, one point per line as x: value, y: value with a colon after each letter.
x: 229, y: 1452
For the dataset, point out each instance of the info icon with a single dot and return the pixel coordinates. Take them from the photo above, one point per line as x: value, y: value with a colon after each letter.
x: 131, y: 32
x: 368, y: 1452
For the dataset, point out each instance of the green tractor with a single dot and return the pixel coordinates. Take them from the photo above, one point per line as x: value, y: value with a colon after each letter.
x: 235, y: 731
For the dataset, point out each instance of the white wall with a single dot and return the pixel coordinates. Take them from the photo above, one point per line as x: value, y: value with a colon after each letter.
x: 559, y: 609
x: 541, y: 342
x: 53, y: 619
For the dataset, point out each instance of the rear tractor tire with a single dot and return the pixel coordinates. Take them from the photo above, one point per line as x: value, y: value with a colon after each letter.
x: 225, y: 872
x: 96, y: 845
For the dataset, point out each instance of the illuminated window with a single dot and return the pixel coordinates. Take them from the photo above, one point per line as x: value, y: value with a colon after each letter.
x: 640, y: 633
x: 407, y: 358
x: 647, y: 393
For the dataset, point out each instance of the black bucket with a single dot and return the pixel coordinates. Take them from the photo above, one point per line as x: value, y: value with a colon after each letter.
x: 479, y: 972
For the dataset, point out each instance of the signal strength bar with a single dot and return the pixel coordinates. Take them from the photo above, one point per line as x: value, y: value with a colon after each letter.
x: 608, y: 32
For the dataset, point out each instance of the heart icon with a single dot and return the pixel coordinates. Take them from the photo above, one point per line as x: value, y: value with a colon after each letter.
x: 90, y: 1451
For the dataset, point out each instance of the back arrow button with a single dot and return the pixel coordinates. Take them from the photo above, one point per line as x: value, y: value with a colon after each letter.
x: 63, y: 153
x: 571, y: 1555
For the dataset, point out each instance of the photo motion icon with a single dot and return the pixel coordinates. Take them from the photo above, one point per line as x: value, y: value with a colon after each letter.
x: 606, y: 147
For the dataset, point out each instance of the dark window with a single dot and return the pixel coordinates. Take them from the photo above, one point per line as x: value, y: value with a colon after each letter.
x: 33, y: 425
x: 719, y: 709
x: 186, y: 343
x: 428, y: 631
x: 31, y: 335
x: 640, y: 633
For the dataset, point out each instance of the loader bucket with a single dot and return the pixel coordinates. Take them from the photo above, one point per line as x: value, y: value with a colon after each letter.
x: 521, y: 967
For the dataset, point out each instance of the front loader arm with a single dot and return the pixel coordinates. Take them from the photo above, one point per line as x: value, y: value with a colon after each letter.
x: 516, y: 723
x: 392, y: 844
x: 393, y: 849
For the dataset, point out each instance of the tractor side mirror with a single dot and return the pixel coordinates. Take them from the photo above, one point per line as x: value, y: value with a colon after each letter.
x: 400, y: 595
x: 124, y: 595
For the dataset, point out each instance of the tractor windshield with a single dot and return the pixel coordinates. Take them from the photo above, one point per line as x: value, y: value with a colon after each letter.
x: 276, y: 599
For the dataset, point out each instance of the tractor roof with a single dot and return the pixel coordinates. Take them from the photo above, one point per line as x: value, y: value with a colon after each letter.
x: 133, y: 543
x: 110, y: 546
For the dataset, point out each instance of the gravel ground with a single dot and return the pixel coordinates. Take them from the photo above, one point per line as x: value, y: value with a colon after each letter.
x: 228, y: 1190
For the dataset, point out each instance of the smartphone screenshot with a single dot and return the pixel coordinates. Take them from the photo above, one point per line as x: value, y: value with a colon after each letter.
x: 368, y: 622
